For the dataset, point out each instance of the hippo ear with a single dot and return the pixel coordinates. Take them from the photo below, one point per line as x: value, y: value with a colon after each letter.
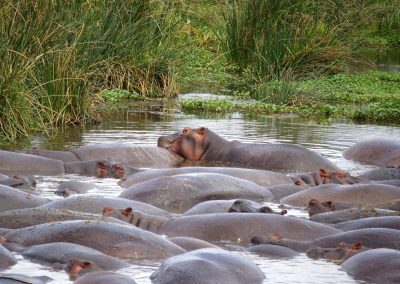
x: 356, y: 246
x: 200, y: 132
x: 283, y: 212
x: 328, y: 204
x: 127, y: 211
x: 312, y: 202
x: 324, y: 173
x: 107, y: 211
x: 341, y: 174
x: 101, y: 165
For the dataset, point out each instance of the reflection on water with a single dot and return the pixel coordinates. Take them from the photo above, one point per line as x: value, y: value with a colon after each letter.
x: 144, y: 128
x: 389, y: 61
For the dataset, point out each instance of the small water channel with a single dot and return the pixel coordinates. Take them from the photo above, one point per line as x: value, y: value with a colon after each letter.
x: 328, y: 138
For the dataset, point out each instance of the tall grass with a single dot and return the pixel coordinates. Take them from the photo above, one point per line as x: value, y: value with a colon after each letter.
x: 55, y: 56
x: 272, y: 37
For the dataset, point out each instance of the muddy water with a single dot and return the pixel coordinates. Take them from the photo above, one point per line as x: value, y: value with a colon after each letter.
x: 329, y: 139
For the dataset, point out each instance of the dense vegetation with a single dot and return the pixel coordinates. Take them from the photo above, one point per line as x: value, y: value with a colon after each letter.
x: 61, y: 59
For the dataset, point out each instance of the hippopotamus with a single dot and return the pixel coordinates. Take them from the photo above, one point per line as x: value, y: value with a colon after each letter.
x: 362, y: 193
x: 99, y: 168
x: 246, y: 206
x: 340, y: 253
x: 339, y: 216
x: 202, y: 144
x: 376, y: 266
x: 181, y: 192
x: 239, y: 227
x: 189, y: 244
x: 380, y: 152
x: 260, y: 177
x: 25, y: 164
x: 62, y: 253
x: 392, y: 222
x: 110, y: 238
x: 137, y: 218
x: 272, y: 251
x: 132, y: 155
x: 316, y: 207
x: 208, y: 266
x: 280, y: 191
x: 381, y: 174
x: 12, y: 278
x: 104, y: 277
x: 6, y: 258
x: 231, y: 205
x: 95, y: 204
x: 323, y: 176
x: 26, y: 217
x: 18, y: 181
x: 69, y: 187
x: 369, y: 237
x: 13, y: 198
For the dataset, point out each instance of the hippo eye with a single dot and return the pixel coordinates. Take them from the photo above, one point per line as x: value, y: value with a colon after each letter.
x: 186, y: 131
x: 237, y: 202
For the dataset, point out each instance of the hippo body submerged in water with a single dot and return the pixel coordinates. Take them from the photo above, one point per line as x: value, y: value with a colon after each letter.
x: 202, y: 144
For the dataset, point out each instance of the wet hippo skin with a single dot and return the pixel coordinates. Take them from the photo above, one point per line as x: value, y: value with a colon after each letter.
x: 202, y: 144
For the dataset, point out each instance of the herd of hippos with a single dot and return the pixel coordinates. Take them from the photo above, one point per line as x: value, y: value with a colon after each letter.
x: 180, y: 209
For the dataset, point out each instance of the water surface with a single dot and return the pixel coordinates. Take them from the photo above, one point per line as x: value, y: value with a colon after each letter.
x: 329, y: 139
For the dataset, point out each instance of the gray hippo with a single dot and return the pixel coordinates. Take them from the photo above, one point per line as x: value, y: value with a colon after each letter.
x: 13, y: 198
x: 364, y: 194
x: 391, y: 222
x: 12, y: 278
x: 202, y: 144
x: 316, y: 207
x: 18, y: 181
x: 189, y: 244
x: 208, y: 266
x: 112, y: 239
x: 181, y: 192
x: 25, y: 164
x: 69, y: 187
x: 260, y: 177
x: 382, y: 174
x: 280, y: 191
x: 99, y: 168
x: 376, y: 266
x: 62, y: 253
x: 104, y: 277
x: 239, y: 227
x: 6, y: 258
x: 231, y: 205
x: 344, y: 215
x: 369, y: 237
x: 380, y: 152
x: 95, y: 204
x: 26, y: 217
x: 272, y: 251
x: 129, y: 154
x: 340, y: 253
x: 323, y: 176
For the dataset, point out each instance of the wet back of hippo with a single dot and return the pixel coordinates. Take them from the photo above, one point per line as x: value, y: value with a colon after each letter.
x: 18, y: 163
x: 135, y: 156
x: 380, y: 152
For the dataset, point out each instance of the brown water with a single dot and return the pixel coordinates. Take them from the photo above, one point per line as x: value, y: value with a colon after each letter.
x: 143, y: 128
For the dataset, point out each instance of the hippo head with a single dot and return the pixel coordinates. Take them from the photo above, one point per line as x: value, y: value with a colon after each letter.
x: 342, y: 251
x: 340, y: 177
x: 316, y: 207
x: 125, y: 214
x: 188, y: 143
